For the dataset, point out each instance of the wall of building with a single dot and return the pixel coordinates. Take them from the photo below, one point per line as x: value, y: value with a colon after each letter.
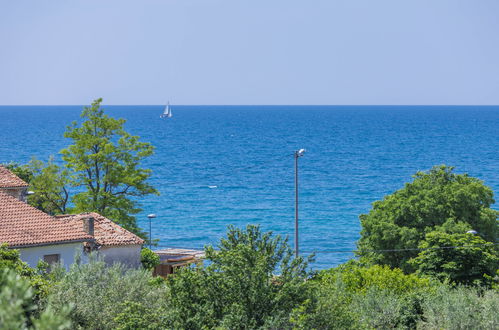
x: 67, y: 253
x: 19, y: 193
x: 128, y: 255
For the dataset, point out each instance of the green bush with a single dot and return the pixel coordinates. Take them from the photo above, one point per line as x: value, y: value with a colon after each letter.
x: 461, y: 308
x: 149, y: 259
x: 474, y: 263
x: 39, y: 279
x: 352, y: 296
x: 358, y: 279
x: 17, y: 306
x: 98, y: 293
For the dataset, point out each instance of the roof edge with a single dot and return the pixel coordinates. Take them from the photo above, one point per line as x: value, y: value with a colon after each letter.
x: 51, y: 243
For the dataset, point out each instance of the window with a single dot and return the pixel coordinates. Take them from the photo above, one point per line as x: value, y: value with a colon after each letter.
x: 52, y: 258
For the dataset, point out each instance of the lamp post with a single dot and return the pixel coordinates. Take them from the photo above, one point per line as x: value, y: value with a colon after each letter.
x: 298, y: 154
x: 150, y: 216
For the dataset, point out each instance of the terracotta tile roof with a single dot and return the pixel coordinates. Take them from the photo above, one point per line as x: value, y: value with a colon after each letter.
x: 22, y: 225
x: 9, y: 179
x: 106, y: 232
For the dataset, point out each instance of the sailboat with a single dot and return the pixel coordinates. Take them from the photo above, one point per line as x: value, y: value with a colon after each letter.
x: 167, y: 113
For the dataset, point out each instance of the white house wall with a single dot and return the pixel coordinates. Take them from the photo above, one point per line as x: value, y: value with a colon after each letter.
x: 128, y: 255
x: 67, y: 252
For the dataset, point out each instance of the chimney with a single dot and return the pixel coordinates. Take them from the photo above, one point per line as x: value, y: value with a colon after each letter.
x: 88, y: 225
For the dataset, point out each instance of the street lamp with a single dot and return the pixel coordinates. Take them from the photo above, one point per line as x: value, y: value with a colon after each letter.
x: 298, y: 154
x: 150, y: 216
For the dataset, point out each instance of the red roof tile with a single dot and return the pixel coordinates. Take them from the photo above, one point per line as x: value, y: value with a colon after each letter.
x: 22, y: 225
x: 106, y: 232
x: 9, y: 179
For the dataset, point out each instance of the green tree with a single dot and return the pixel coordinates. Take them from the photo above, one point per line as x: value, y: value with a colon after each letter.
x: 437, y: 200
x: 50, y: 183
x: 105, y: 160
x: 465, y: 265
x: 22, y: 171
x: 149, y: 259
x: 252, y: 281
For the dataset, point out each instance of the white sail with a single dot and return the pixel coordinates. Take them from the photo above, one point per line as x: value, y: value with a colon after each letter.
x: 167, y: 113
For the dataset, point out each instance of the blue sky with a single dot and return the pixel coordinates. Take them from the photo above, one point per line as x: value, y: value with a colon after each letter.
x: 249, y: 51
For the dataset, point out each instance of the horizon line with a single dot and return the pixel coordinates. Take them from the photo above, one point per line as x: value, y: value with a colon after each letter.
x: 259, y: 105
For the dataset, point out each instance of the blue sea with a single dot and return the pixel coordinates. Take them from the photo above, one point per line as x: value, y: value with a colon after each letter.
x: 221, y: 165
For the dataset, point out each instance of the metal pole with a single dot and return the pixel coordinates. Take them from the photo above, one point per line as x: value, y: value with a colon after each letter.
x: 296, y: 204
x: 150, y: 234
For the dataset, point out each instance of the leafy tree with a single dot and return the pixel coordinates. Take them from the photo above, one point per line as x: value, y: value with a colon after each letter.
x: 437, y: 200
x: 50, y: 183
x: 149, y: 259
x: 105, y: 161
x: 252, y: 281
x: 465, y: 265
x: 22, y: 171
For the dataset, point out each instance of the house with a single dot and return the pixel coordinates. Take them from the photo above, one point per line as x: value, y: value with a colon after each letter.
x: 40, y: 236
x: 37, y: 235
x: 113, y: 242
x: 12, y: 185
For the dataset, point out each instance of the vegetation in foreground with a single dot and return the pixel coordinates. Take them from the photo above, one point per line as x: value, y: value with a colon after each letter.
x: 252, y: 281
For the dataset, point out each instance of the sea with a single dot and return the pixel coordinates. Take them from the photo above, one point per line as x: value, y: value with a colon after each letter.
x: 216, y: 166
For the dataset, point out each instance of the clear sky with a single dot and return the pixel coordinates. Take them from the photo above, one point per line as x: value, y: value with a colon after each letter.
x: 249, y: 51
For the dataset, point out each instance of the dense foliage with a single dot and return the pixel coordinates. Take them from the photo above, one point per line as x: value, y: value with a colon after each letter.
x: 251, y: 279
x: 149, y: 259
x: 105, y: 160
x: 240, y: 286
x: 98, y: 294
x: 436, y: 201
x: 475, y: 261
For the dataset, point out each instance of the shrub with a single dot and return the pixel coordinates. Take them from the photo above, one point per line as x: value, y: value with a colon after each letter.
x: 98, y: 293
x: 465, y: 265
x: 461, y: 308
x: 149, y: 259
x: 17, y: 305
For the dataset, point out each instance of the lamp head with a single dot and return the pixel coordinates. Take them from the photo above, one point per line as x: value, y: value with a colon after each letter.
x: 152, y: 215
x: 300, y: 152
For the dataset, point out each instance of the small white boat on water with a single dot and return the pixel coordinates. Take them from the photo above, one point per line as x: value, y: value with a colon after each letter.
x: 167, y: 113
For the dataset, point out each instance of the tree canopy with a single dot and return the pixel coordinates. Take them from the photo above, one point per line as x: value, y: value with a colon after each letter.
x: 105, y: 160
x: 437, y: 200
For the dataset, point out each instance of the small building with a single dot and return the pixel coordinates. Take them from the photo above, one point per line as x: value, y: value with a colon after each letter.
x: 37, y: 235
x: 12, y: 185
x: 40, y: 236
x: 172, y: 259
x: 113, y: 242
